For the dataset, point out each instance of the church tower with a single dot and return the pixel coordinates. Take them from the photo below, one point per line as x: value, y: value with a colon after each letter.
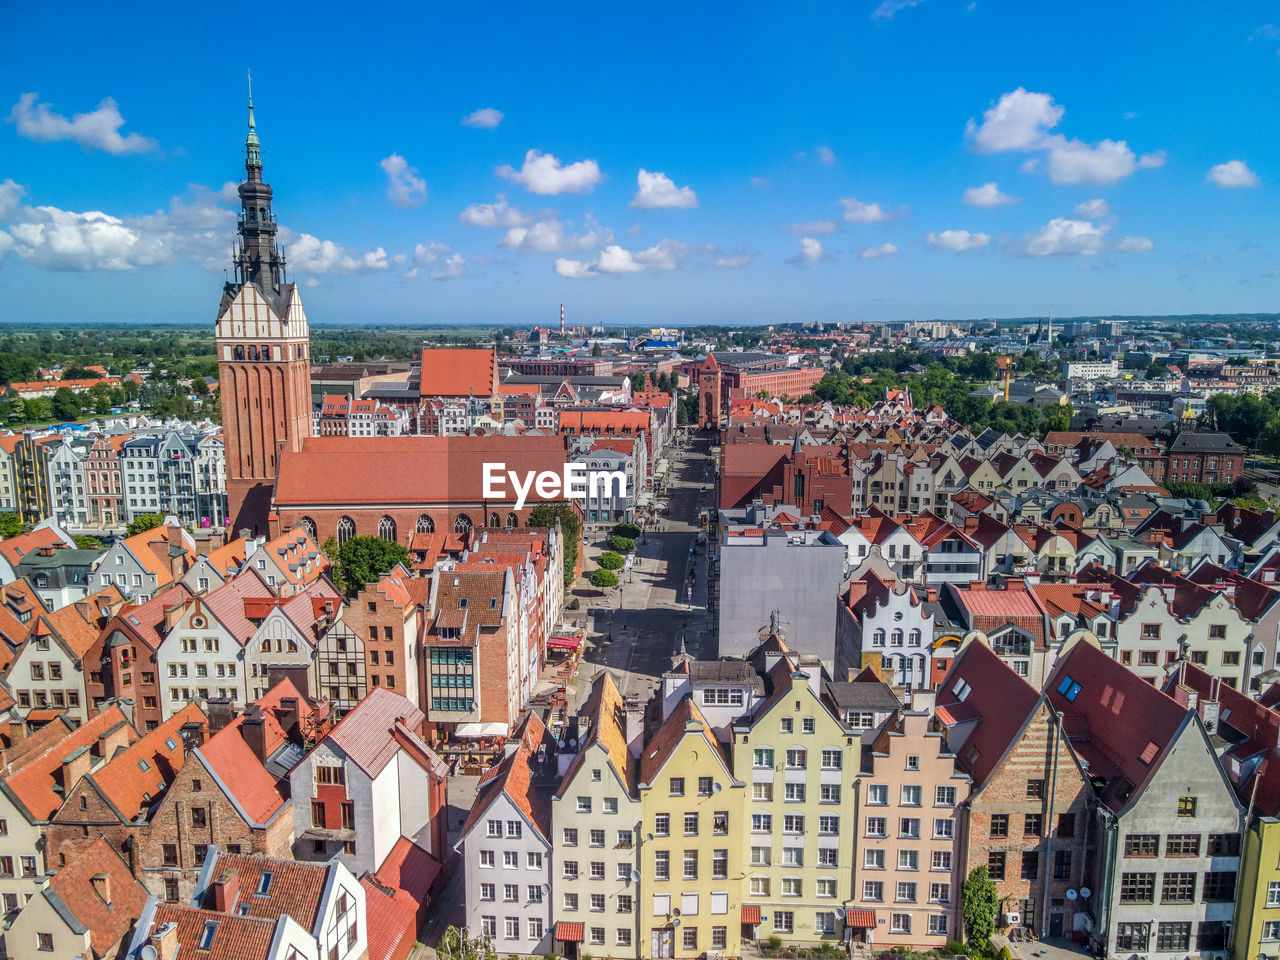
x: 709, y: 401
x: 264, y: 365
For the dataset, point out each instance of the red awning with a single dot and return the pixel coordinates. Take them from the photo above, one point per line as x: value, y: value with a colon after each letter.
x: 569, y: 932
x: 564, y: 643
x: 861, y: 918
x: 751, y: 915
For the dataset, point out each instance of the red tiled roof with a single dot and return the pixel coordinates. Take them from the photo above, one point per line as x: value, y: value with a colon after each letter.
x: 391, y: 918
x: 107, y: 921
x: 235, y: 938
x: 296, y: 888
x: 15, y: 548
x: 151, y: 545
x: 367, y: 733
x: 861, y: 918
x: 603, y: 421
x: 34, y: 785
x: 146, y: 621
x: 459, y: 372
x: 409, y: 868
x: 513, y: 778
x: 414, y: 470
x: 122, y: 779
x: 670, y: 735
x: 750, y: 914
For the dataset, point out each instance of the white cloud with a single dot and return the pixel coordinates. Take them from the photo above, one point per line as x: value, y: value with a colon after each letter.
x: 1063, y: 236
x: 194, y: 227
x: 1233, y: 173
x: 309, y: 254
x: 425, y: 254
x: 733, y: 262
x: 958, y: 240
x: 404, y: 187
x: 810, y: 250
x: 99, y: 128
x: 1268, y: 31
x: 488, y: 118
x: 1019, y: 120
x: 1072, y: 161
x: 813, y: 226
x: 888, y: 9
x: 543, y: 173
x: 449, y: 268
x: 881, y: 250
x: 1022, y: 120
x: 574, y: 269
x: 11, y: 195
x: 988, y: 195
x: 826, y: 155
x: 761, y: 182
x: 666, y: 254
x: 497, y: 214
x: 658, y: 190
x: 855, y: 211
x: 311, y: 282
x: 1135, y: 244
x: 1092, y: 209
x: 1029, y: 165
x: 551, y: 236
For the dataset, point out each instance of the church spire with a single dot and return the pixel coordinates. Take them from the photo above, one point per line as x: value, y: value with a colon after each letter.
x: 253, y: 155
x: 258, y: 259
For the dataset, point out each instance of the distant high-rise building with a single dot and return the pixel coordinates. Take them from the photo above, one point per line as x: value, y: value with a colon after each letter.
x: 264, y: 350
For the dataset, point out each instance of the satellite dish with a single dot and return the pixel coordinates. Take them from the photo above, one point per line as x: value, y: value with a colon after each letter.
x: 1071, y: 895
x: 675, y: 922
x: 635, y: 876
x: 839, y: 913
x: 148, y: 952
x: 648, y: 836
x: 717, y: 787
x: 1084, y: 892
x: 546, y: 888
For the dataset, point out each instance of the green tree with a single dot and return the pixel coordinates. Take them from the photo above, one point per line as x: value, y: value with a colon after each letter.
x: 626, y: 530
x: 86, y: 542
x: 79, y: 373
x: 979, y: 901
x: 638, y: 381
x: 143, y: 522
x: 603, y: 578
x: 546, y: 515
x: 458, y: 944
x: 595, y: 350
x: 10, y: 525
x: 39, y: 409
x: 611, y: 561
x: 65, y: 404
x: 1156, y: 371
x: 362, y: 560
x: 622, y: 544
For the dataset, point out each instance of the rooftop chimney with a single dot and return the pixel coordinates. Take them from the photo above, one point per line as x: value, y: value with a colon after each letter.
x: 226, y: 890
x: 165, y: 940
x: 253, y: 728
x: 220, y: 713
x: 74, y: 766
x: 289, y: 715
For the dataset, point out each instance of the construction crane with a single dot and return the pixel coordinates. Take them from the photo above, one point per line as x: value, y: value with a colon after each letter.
x: 1005, y: 364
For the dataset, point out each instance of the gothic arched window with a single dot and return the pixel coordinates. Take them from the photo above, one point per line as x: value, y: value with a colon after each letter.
x: 253, y: 351
x: 425, y: 524
x: 309, y: 525
x: 513, y: 520
x: 239, y: 353
x: 387, y: 529
x: 495, y: 520
x: 462, y: 524
x: 346, y: 530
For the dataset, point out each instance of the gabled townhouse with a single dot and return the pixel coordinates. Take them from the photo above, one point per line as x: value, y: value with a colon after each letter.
x: 896, y: 544
x: 58, y: 576
x: 201, y: 653
x: 290, y: 562
x: 1072, y: 607
x: 696, y: 896
x: 1182, y: 541
x: 258, y: 908
x: 1258, y: 603
x: 35, y: 786
x: 506, y: 846
x: 371, y: 793
x: 907, y: 872
x: 884, y: 623
x: 1167, y: 834
x: 1255, y: 530
x: 723, y: 689
x: 595, y: 832
x: 118, y: 800
x: 950, y: 556
x: 801, y: 759
x: 211, y: 570
x: 145, y: 563
x: 231, y: 793
x: 340, y: 666
x: 122, y: 659
x: 287, y: 632
x: 47, y: 672
x: 1004, y: 552
x: 1246, y: 734
x: 387, y: 616
x: 86, y: 909
x: 544, y: 549
x: 104, y: 483
x: 1030, y: 805
x: 1008, y: 620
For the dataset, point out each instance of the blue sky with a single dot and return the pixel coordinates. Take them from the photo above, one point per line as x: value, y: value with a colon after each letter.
x: 729, y: 163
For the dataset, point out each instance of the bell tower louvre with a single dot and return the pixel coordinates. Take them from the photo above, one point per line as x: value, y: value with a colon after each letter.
x: 263, y: 345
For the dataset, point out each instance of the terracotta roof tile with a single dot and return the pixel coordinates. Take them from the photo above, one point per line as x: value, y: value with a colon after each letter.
x: 234, y: 938
x: 74, y: 886
x: 514, y: 778
x: 459, y: 372
x: 145, y: 622
x: 15, y: 548
x: 148, y: 766
x: 609, y: 729
x: 295, y: 888
x: 391, y: 918
x: 670, y: 735
x: 367, y: 733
